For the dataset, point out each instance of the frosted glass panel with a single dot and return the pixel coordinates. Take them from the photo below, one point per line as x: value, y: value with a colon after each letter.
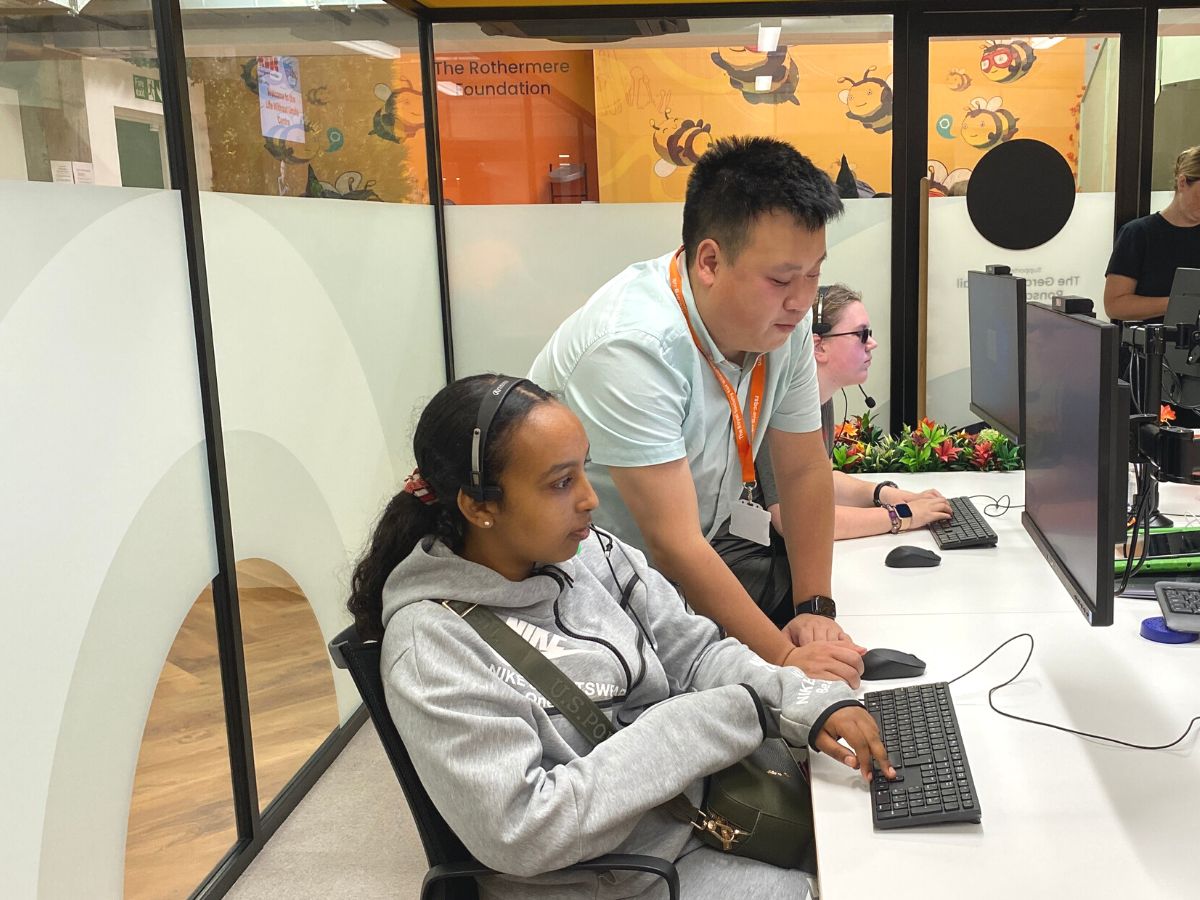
x: 1071, y: 263
x: 516, y: 272
x: 328, y: 338
x: 104, y: 468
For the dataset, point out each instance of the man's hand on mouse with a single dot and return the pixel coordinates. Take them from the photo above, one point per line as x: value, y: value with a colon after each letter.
x: 829, y: 661
x: 854, y: 725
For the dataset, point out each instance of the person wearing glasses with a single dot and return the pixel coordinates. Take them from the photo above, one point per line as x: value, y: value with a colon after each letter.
x: 843, y: 356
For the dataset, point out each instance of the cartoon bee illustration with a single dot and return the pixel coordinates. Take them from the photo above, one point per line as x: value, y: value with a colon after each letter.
x: 316, y: 96
x: 745, y: 65
x: 250, y: 75
x: 402, y: 112
x: 678, y: 142
x: 869, y: 101
x: 1004, y: 63
x: 987, y: 123
x: 958, y: 80
x: 284, y: 151
x: 348, y: 186
x: 944, y: 183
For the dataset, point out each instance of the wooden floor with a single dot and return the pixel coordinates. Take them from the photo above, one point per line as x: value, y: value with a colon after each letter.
x: 181, y: 814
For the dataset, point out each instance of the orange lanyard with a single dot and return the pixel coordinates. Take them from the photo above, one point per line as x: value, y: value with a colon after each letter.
x: 758, y: 379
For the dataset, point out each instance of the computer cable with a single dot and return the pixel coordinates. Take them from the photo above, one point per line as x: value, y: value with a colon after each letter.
x: 1063, y: 728
x: 1003, y: 503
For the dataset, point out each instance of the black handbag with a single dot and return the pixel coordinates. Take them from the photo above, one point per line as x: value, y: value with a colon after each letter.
x: 760, y: 807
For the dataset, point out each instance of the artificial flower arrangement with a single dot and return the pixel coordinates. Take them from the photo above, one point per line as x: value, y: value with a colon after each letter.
x: 859, y: 446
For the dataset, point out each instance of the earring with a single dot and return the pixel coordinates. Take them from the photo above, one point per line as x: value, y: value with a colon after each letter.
x: 487, y: 523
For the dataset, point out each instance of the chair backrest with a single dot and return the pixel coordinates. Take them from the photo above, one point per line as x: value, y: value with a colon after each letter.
x: 361, y: 659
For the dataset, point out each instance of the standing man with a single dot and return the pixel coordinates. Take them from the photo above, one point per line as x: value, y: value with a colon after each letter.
x: 680, y: 365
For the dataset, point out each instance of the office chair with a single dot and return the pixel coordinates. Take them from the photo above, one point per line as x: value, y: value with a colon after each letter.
x: 451, y: 866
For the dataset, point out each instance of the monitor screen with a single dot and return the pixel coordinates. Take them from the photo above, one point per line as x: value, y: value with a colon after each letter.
x: 1181, y: 381
x: 1076, y: 452
x: 996, y: 325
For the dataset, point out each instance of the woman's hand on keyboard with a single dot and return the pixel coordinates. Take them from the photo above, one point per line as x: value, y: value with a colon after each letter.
x: 856, y: 727
x: 928, y: 509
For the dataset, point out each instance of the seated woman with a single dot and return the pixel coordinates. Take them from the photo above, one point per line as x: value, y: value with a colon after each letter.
x: 519, y: 786
x: 843, y: 355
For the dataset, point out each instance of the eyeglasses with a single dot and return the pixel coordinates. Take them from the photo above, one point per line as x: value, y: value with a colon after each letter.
x: 863, y: 334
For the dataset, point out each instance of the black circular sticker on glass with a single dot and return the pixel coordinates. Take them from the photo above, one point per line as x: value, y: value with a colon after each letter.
x: 1021, y: 194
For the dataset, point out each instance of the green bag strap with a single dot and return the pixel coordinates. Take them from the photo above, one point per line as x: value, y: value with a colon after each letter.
x: 577, y: 707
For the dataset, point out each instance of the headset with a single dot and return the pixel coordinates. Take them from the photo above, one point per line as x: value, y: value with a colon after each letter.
x: 479, y: 489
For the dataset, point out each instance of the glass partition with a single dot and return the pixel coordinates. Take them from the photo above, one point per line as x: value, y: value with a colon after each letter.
x: 322, y: 274
x: 554, y: 129
x: 107, y: 527
x: 1176, y: 98
x: 984, y: 91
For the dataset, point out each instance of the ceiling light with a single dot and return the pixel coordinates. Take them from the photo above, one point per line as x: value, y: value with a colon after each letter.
x: 73, y: 6
x: 451, y: 88
x: 378, y: 49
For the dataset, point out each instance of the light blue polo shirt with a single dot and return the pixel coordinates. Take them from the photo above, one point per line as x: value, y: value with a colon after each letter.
x: 625, y: 363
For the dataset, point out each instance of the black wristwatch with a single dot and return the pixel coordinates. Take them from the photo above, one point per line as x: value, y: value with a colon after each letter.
x: 818, y: 605
x: 879, y: 487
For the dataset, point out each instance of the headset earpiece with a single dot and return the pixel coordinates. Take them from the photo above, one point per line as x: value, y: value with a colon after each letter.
x: 820, y: 327
x: 478, y: 488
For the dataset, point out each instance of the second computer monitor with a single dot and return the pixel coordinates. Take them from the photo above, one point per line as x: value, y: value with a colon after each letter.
x: 996, y: 325
x: 1076, y: 452
x: 1181, y: 384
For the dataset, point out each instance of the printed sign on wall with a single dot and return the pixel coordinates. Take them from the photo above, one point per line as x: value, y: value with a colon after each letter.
x: 281, y: 106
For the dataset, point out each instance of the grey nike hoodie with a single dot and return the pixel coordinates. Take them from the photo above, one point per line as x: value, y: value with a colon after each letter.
x: 520, y: 787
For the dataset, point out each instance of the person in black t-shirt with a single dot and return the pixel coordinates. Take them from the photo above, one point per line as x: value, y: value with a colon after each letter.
x: 1149, y: 250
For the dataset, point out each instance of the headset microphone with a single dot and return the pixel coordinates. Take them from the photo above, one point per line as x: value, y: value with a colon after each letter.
x: 870, y: 401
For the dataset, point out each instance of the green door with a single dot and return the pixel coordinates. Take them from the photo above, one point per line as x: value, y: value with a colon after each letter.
x: 141, y: 158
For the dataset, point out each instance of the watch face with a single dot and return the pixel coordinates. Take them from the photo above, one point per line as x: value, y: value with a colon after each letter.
x: 903, y: 511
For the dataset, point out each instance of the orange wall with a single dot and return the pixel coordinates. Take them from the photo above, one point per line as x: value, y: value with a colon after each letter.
x: 501, y: 135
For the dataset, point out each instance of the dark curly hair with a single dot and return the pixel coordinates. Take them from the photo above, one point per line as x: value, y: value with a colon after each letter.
x: 442, y: 448
x: 740, y: 178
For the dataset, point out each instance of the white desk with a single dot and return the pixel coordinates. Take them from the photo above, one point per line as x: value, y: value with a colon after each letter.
x: 1063, y: 816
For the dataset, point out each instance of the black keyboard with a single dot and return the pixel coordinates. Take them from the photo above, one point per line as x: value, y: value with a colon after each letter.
x: 920, y: 730
x: 1180, y: 604
x: 966, y: 527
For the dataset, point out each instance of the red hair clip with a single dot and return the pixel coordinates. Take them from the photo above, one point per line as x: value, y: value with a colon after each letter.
x: 417, y: 486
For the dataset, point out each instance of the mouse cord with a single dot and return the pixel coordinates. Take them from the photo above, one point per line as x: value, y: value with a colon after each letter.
x: 1086, y: 734
x: 1003, y: 504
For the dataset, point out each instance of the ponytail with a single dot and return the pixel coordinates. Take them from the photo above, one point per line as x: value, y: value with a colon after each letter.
x: 404, y: 522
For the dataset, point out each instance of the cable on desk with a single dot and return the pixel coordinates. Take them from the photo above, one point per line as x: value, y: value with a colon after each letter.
x: 1003, y: 503
x: 1086, y: 734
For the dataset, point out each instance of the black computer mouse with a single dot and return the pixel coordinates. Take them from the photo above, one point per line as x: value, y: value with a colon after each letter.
x: 906, y: 557
x: 881, y: 663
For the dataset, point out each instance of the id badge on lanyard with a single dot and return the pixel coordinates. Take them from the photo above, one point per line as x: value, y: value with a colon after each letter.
x: 747, y: 519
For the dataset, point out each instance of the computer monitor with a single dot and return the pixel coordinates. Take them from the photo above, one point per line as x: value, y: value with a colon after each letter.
x: 1076, y: 452
x: 1181, y: 385
x: 996, y: 326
